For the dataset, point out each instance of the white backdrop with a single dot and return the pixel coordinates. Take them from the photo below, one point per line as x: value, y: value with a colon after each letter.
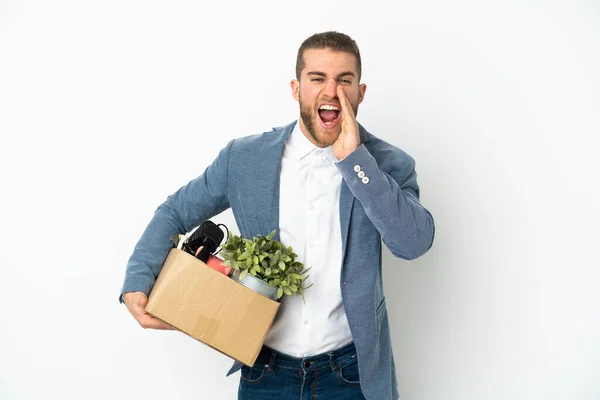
x: 108, y: 107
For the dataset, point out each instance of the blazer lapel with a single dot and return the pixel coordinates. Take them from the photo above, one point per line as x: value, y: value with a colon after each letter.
x: 268, y: 159
x: 347, y: 201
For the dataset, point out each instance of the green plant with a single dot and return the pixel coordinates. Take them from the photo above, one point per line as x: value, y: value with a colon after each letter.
x: 266, y: 259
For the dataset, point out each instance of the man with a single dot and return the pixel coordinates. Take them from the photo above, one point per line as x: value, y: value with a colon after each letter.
x: 334, y: 192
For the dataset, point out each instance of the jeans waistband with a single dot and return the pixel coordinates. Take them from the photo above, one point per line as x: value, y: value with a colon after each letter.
x: 273, y: 358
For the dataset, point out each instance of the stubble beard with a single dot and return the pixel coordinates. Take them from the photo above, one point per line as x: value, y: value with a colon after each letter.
x: 322, y: 137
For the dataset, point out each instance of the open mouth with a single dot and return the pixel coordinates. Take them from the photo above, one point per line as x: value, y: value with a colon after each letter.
x: 329, y: 115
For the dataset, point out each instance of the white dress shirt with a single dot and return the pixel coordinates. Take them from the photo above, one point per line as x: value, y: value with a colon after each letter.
x: 309, y: 221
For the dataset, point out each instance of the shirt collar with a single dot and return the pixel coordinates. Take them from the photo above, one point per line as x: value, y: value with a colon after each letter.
x: 298, y: 146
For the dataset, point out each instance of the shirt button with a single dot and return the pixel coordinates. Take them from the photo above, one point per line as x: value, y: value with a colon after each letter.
x: 356, y: 168
x: 361, y: 174
x: 365, y: 180
x: 306, y: 364
x: 311, y: 207
x: 311, y: 244
x: 305, y: 322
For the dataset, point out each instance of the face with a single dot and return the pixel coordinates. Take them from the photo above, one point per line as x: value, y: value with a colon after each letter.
x: 320, y: 109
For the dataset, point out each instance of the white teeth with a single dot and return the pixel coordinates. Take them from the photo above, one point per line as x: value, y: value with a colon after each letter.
x: 328, y: 107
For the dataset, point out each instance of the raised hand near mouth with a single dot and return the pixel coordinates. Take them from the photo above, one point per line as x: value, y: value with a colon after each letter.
x: 349, y: 138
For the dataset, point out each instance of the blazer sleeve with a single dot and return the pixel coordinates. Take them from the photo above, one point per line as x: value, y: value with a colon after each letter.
x: 390, y: 200
x: 197, y: 201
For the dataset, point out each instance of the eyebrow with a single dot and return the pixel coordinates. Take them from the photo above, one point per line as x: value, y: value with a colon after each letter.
x: 323, y: 74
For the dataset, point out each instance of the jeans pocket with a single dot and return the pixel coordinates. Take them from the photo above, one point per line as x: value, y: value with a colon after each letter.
x: 348, y: 372
x: 254, y: 375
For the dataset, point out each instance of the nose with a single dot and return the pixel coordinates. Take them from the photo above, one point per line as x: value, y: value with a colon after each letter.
x: 330, y: 89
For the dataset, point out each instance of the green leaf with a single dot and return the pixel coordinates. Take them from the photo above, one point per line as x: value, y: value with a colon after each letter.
x: 294, y: 288
x: 255, y: 260
x: 296, y: 276
x: 279, y: 293
x: 271, y: 235
x: 243, y: 274
x: 282, y: 265
x: 243, y: 256
x: 287, y: 290
x: 227, y: 262
x: 268, y: 271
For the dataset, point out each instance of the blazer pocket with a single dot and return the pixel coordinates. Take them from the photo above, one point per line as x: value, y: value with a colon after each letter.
x: 380, y: 307
x: 254, y: 375
x: 380, y: 316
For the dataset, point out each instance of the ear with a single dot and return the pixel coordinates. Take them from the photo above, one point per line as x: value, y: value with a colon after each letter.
x: 295, y: 85
x: 362, y: 88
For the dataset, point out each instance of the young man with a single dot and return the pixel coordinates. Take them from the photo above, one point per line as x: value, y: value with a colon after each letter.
x: 350, y: 192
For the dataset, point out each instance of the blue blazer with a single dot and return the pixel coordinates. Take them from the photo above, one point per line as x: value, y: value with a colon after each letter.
x: 385, y: 207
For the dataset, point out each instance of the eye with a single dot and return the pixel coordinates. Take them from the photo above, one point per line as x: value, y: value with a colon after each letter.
x: 317, y: 80
x: 345, y: 81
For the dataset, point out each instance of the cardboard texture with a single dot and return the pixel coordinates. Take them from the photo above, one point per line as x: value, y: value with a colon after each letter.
x: 211, y: 307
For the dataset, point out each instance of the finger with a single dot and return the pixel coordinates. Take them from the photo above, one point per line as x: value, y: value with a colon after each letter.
x: 342, y: 97
x: 146, y: 320
x: 139, y: 309
x: 347, y: 110
x: 344, y: 111
x: 149, y: 322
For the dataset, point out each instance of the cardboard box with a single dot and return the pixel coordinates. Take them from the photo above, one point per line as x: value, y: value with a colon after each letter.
x: 211, y: 307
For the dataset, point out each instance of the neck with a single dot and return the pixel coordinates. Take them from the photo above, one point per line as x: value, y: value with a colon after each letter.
x: 307, y: 134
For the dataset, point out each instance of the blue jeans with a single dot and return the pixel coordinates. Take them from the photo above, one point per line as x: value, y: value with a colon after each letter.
x: 276, y: 376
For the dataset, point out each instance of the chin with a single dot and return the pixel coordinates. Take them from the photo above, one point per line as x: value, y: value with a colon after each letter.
x: 327, y: 137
